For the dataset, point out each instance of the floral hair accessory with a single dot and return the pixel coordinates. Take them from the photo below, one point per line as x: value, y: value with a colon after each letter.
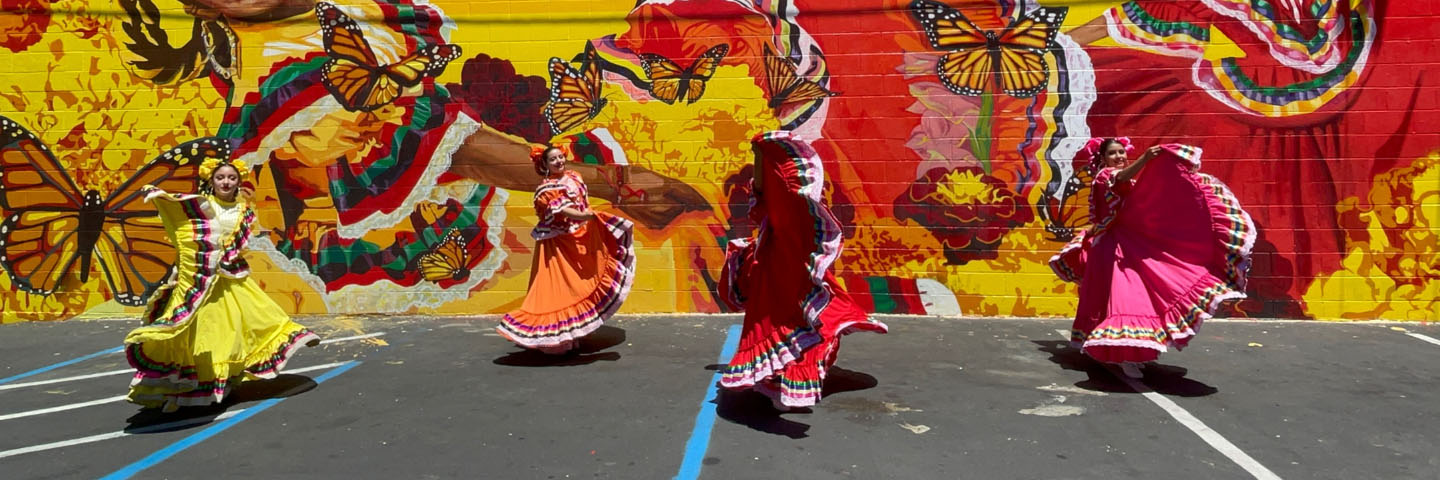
x: 208, y: 167
x: 537, y: 156
x: 1090, y: 155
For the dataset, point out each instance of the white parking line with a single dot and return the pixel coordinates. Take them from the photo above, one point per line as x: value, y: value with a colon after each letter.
x: 346, y: 339
x: 1209, y: 435
x: 66, y: 379
x: 1424, y: 337
x: 61, y: 408
x: 118, y: 398
x: 119, y: 372
x: 123, y: 433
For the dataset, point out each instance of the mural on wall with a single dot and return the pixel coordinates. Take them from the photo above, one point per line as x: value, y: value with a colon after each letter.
x: 389, y: 141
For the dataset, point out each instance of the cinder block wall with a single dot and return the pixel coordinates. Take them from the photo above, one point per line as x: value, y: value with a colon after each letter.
x: 382, y: 131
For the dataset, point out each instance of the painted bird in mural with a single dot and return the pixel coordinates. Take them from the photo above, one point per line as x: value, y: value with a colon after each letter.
x: 52, y: 229
x: 355, y: 76
x: 574, y: 93
x: 669, y: 82
x: 983, y: 61
x: 786, y: 86
x: 212, y: 47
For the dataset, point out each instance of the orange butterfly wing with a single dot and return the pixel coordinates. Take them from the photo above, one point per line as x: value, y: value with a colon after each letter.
x: 1022, y: 66
x: 574, y: 94
x: 39, y: 237
x: 981, y: 61
x: 702, y: 70
x: 447, y: 260
x: 665, y: 76
x: 967, y: 73
x: 356, y: 77
x: 134, y: 249
x: 785, y: 85
x: 1070, y: 213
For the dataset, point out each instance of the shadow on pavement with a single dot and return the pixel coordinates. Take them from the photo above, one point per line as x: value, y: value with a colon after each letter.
x: 152, y: 420
x: 755, y: 410
x: 1163, y: 379
x: 587, y: 353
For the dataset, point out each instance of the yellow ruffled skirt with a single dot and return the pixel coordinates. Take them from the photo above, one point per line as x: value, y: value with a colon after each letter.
x: 236, y: 333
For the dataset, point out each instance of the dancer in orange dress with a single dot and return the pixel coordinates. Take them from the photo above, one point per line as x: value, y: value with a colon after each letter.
x: 583, y: 265
x: 795, y: 310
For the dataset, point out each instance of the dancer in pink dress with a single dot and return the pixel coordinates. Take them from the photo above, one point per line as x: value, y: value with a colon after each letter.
x: 1167, y: 244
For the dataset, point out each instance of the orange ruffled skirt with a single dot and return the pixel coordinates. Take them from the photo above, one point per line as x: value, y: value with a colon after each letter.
x: 576, y: 282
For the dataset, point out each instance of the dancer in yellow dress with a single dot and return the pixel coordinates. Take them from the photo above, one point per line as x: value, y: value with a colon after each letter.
x: 210, y: 327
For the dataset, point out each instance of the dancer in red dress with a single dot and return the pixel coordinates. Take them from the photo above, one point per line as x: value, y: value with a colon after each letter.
x: 795, y: 310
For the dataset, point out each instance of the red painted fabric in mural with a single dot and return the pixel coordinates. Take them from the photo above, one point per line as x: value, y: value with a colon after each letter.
x: 876, y: 160
x: 686, y: 29
x: 1292, y: 167
x: 23, y: 23
x: 870, y: 157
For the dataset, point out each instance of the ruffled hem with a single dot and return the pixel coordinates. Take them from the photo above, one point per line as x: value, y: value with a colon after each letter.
x: 560, y: 330
x: 769, y: 360
x: 796, y: 379
x: 788, y: 393
x: 155, y: 382
x: 1111, y: 343
x: 1234, y: 230
x: 556, y: 343
x: 1069, y: 262
x: 737, y: 253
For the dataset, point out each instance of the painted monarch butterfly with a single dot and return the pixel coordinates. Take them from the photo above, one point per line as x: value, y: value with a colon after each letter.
x: 1069, y: 214
x: 355, y: 76
x: 574, y: 94
x: 447, y: 260
x: 785, y: 85
x: 50, y: 225
x: 1012, y: 60
x: 669, y: 82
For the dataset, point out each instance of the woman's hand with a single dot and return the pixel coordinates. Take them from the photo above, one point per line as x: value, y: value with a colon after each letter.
x: 652, y: 199
x: 1130, y: 171
x: 1150, y: 153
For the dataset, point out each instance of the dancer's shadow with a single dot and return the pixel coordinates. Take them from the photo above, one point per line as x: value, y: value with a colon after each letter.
x: 1163, y: 379
x: 152, y: 420
x: 755, y: 410
x: 587, y: 353
x: 840, y: 380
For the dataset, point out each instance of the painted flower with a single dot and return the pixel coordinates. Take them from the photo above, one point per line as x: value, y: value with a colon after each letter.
x: 492, y: 92
x: 23, y: 23
x: 966, y: 209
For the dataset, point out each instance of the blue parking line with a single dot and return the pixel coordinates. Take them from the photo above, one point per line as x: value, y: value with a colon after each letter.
x: 200, y: 436
x: 61, y: 364
x: 705, y: 421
